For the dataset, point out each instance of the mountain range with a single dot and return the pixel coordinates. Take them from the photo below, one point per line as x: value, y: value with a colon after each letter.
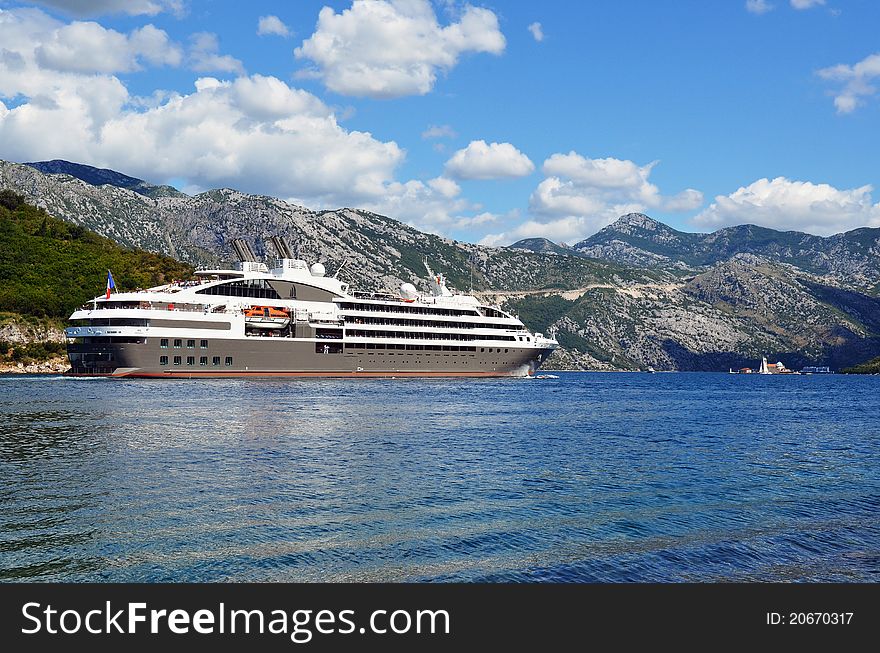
x: 636, y: 294
x: 852, y: 258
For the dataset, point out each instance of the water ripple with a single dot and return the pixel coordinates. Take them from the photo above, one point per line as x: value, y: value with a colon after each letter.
x: 588, y: 478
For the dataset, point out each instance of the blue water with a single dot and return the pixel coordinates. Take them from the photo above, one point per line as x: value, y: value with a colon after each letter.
x: 589, y: 477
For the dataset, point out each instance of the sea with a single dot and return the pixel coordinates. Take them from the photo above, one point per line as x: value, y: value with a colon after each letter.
x: 589, y: 477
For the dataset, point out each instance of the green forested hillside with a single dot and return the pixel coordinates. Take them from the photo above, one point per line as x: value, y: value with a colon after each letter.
x: 48, y: 267
x: 870, y: 367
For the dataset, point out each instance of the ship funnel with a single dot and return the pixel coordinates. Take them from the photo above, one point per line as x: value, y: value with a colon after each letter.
x: 281, y: 246
x: 243, y: 251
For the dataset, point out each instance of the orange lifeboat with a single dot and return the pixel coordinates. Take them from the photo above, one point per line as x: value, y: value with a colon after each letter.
x: 266, y: 317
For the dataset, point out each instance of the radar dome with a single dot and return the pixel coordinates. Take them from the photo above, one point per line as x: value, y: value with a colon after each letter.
x: 408, y: 291
x: 317, y: 270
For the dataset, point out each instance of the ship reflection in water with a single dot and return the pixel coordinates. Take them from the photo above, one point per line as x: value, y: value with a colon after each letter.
x: 585, y: 477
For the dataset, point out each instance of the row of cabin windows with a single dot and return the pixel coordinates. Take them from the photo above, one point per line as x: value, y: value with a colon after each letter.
x: 419, y: 310
x: 191, y: 360
x: 415, y: 335
x: 113, y: 321
x: 178, y: 343
x: 424, y: 323
x: 372, y: 345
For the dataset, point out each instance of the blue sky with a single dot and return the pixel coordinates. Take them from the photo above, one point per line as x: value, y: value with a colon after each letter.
x: 483, y: 122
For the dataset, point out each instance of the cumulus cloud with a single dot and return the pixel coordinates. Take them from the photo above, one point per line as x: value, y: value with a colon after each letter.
x: 256, y: 133
x: 446, y: 187
x: 783, y: 204
x: 205, y: 57
x: 581, y: 195
x: 480, y: 160
x: 83, y: 8
x: 578, y: 185
x: 392, y: 48
x: 806, y: 4
x: 267, y: 25
x: 854, y: 82
x: 758, y: 6
x: 88, y: 47
x: 537, y: 31
x: 568, y: 229
x: 434, y: 207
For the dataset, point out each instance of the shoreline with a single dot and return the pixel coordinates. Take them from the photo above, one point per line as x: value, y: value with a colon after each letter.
x: 58, y: 365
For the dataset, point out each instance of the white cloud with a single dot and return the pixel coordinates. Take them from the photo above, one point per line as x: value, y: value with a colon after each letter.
x: 580, y: 195
x: 446, y: 187
x: 82, y: 8
x: 794, y: 205
x: 488, y: 161
x: 758, y: 6
x: 537, y: 31
x: 478, y: 220
x: 806, y: 4
x: 272, y: 25
x: 569, y: 229
x: 204, y: 55
x: 88, y: 47
x: 687, y: 200
x: 392, y: 48
x: 434, y: 207
x: 855, y: 82
x: 578, y: 185
x: 439, y: 131
x: 255, y: 133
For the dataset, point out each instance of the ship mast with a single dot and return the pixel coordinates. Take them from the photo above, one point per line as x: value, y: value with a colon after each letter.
x: 437, y: 282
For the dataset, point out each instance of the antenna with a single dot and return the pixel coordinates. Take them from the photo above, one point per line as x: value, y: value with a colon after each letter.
x: 336, y: 276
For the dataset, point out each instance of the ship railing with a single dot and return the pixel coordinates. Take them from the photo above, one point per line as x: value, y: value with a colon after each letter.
x: 148, y: 306
x: 378, y: 296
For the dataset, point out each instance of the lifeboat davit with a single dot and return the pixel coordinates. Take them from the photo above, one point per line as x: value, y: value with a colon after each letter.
x: 266, y: 317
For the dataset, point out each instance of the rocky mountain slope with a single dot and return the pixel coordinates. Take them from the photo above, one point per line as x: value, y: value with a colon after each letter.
x: 851, y: 258
x: 636, y: 294
x: 103, y: 176
x: 378, y: 252
x: 728, y: 316
x: 543, y: 245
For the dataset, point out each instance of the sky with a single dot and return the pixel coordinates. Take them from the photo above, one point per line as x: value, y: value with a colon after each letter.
x: 484, y: 122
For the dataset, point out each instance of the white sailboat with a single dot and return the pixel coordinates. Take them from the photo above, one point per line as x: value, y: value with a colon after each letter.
x: 764, y: 369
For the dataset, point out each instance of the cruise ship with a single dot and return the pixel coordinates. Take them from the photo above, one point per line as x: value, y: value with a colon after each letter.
x: 295, y: 320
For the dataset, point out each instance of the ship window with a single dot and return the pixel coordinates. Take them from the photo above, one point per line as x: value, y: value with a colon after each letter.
x: 482, y: 350
x: 215, y: 361
x: 203, y: 361
x: 203, y: 344
x: 229, y: 361
x: 163, y: 343
x: 506, y: 350
x: 190, y: 360
x: 177, y: 360
x: 163, y: 360
x: 242, y: 288
x: 190, y: 344
x: 177, y: 343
